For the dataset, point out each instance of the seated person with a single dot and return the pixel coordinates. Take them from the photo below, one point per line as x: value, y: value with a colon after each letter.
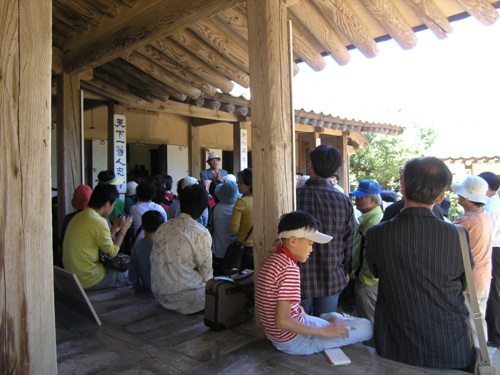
x: 188, y: 181
x: 226, y: 193
x: 181, y: 260
x: 109, y: 178
x: 130, y: 198
x: 139, y: 269
x: 88, y: 233
x: 145, y: 192
x: 80, y: 201
x: 277, y: 296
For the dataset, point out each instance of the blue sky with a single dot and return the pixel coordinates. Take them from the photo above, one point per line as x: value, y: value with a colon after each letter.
x: 451, y: 85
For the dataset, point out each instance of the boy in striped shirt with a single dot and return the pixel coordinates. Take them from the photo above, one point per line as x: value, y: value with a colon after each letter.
x: 277, y: 295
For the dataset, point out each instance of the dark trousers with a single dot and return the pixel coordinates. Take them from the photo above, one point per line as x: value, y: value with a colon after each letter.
x: 493, y: 305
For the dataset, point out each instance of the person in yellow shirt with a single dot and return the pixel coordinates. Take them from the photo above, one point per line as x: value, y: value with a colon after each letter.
x: 242, y: 217
x: 87, y: 233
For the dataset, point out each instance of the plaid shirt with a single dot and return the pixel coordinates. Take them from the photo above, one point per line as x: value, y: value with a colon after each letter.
x: 324, y: 274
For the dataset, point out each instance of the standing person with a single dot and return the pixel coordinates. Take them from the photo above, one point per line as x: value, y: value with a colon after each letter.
x: 145, y: 192
x: 139, y: 269
x: 181, y: 261
x: 472, y: 197
x: 420, y: 316
x: 277, y: 295
x: 88, y: 233
x: 368, y: 202
x: 242, y: 217
x: 325, y: 276
x: 213, y: 173
x: 493, y: 304
x: 335, y: 183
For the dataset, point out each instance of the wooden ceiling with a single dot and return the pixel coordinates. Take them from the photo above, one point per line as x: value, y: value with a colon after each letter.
x: 147, y: 53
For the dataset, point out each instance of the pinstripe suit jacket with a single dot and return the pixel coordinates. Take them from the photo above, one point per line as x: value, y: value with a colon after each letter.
x: 420, y: 314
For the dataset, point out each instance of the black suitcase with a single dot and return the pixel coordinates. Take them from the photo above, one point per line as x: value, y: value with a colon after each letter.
x: 229, y: 300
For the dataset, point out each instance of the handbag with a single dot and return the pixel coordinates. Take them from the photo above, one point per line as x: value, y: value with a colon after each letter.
x: 234, y: 256
x: 119, y: 262
x: 482, y: 365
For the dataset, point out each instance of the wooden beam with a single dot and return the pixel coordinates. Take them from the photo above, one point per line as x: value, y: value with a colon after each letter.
x: 392, y: 20
x: 69, y: 18
x: 175, y: 68
x: 136, y: 77
x: 185, y: 58
x: 85, y: 11
x: 156, y: 22
x: 482, y: 10
x: 303, y: 128
x: 116, y: 91
x: 110, y: 8
x: 341, y: 16
x: 190, y: 111
x: 305, y: 45
x: 272, y: 120
x: 236, y: 19
x: 27, y: 334
x: 198, y: 47
x: 217, y: 35
x: 315, y: 23
x: 107, y: 94
x: 432, y: 16
x: 162, y: 75
x: 103, y: 76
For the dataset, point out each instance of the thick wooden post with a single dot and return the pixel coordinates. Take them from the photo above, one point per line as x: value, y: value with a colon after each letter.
x: 69, y: 142
x: 27, y: 328
x: 272, y: 121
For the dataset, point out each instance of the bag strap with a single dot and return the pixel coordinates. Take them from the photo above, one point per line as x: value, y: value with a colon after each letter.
x: 476, y: 314
x: 248, y: 234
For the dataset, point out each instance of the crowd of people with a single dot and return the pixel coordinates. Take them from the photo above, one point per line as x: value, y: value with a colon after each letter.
x: 402, y: 257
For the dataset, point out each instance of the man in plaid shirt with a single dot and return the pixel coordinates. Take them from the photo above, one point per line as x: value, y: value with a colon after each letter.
x: 325, y: 275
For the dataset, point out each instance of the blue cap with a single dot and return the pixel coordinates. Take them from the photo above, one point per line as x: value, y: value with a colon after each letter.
x: 366, y: 187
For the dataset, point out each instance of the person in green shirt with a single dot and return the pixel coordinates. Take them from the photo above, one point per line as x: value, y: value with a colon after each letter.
x: 368, y: 202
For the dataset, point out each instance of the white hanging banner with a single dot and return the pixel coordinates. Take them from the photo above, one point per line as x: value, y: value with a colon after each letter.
x: 244, y: 149
x: 120, y: 150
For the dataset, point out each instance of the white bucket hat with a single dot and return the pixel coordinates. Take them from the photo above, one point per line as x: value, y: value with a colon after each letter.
x: 473, y: 188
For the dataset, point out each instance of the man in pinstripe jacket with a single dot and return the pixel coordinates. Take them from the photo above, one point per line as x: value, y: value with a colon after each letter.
x: 420, y: 314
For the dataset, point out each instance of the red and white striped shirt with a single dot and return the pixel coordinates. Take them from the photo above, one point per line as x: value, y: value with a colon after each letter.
x: 279, y: 280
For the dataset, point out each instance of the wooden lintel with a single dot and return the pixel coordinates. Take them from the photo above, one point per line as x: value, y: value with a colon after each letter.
x: 156, y: 22
x: 198, y: 122
x: 326, y: 131
x: 303, y: 128
x: 190, y: 111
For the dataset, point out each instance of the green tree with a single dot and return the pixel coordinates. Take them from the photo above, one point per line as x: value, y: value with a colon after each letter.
x: 386, y: 155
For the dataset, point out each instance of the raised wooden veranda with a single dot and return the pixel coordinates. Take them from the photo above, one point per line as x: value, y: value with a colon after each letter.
x: 138, y: 336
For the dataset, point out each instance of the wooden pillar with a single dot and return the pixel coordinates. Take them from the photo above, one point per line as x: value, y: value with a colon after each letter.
x: 69, y: 142
x: 27, y: 328
x: 272, y: 121
x: 195, y: 166
x: 343, y: 171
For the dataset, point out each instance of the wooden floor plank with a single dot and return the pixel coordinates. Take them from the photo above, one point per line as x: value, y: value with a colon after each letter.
x: 138, y: 336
